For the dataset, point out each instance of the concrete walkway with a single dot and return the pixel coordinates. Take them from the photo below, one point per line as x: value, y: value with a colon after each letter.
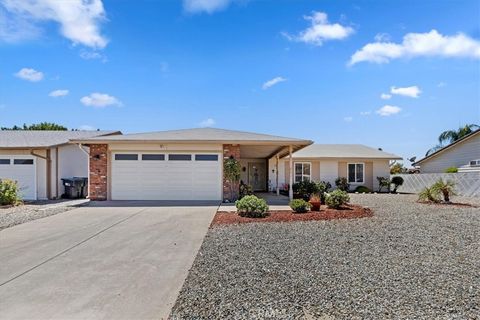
x: 114, y: 261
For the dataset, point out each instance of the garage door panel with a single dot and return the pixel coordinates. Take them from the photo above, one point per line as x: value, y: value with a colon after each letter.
x: 166, y: 179
x: 24, y: 174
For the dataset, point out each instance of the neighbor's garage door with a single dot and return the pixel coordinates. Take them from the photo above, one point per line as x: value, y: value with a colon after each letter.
x: 166, y: 176
x: 22, y: 170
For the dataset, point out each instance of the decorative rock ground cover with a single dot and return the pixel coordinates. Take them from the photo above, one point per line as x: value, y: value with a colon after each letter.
x: 408, y: 261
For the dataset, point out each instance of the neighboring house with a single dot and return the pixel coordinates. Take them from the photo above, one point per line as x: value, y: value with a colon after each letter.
x: 463, y: 154
x: 38, y: 160
x: 361, y: 165
x: 180, y: 164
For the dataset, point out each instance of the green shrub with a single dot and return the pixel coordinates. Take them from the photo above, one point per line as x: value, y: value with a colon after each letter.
x: 299, y: 205
x: 429, y: 194
x: 342, y: 184
x: 397, y: 181
x: 451, y: 170
x: 245, y: 190
x: 305, y: 189
x: 322, y: 188
x: 9, y: 192
x: 337, y: 198
x: 252, y: 207
x: 362, y: 189
x: 383, y: 182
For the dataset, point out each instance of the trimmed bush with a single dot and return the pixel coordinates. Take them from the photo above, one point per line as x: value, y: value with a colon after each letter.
x: 451, y: 170
x: 337, y: 198
x: 299, y: 205
x: 342, y: 184
x: 362, y: 189
x: 305, y: 189
x: 9, y: 192
x: 252, y: 207
x: 397, y: 181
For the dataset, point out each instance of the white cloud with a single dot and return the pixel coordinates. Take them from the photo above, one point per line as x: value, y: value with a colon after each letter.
x: 320, y: 30
x: 412, y: 92
x: 365, y: 113
x: 272, y: 82
x: 348, y: 119
x: 388, y: 110
x: 79, y: 19
x: 29, y: 74
x: 100, y: 100
x: 428, y: 44
x: 58, y: 93
x: 207, y: 123
x: 86, y: 127
x: 382, y: 37
x: 385, y: 96
x: 208, y: 6
x: 93, y: 55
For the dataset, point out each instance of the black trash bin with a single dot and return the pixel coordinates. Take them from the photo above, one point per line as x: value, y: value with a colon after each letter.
x: 75, y: 187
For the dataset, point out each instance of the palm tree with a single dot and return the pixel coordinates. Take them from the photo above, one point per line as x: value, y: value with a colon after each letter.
x: 446, y: 188
x: 451, y: 136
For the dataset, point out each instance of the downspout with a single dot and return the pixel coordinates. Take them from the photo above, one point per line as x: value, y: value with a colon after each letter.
x: 49, y: 169
x: 56, y: 172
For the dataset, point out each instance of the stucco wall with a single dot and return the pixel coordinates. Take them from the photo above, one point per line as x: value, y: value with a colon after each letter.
x: 331, y: 169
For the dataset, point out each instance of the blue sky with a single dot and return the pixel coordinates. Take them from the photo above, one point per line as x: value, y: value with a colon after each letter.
x: 307, y: 69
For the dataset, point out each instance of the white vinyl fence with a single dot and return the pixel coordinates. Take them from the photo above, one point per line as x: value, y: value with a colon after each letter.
x: 467, y: 183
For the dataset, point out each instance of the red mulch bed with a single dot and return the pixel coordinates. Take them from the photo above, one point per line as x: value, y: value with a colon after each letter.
x: 346, y: 212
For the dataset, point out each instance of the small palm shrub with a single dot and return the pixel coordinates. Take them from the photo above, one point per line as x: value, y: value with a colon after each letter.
x: 252, y: 207
x: 430, y: 195
x: 445, y: 188
x: 299, y: 205
x: 337, y: 198
x: 451, y: 170
x: 362, y: 189
x: 342, y: 184
x: 397, y: 181
x: 9, y: 192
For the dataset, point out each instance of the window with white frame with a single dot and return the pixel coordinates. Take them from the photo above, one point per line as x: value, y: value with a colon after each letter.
x: 302, y: 171
x: 356, y: 173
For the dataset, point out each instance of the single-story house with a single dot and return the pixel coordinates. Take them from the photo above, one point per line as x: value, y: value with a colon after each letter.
x: 38, y: 160
x: 188, y: 164
x: 180, y: 164
x: 361, y: 165
x: 463, y: 154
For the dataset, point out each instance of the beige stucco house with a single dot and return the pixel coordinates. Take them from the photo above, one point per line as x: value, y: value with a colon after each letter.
x: 38, y: 160
x: 327, y: 162
x: 188, y: 164
x: 463, y: 154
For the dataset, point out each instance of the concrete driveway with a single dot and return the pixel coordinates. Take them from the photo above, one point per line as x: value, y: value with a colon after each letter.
x: 116, y: 260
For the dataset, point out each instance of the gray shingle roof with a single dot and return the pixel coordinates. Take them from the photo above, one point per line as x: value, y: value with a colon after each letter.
x: 42, y: 139
x: 343, y: 151
x: 199, y: 135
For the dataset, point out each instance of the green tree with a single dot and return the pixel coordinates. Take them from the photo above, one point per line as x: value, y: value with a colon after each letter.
x: 397, y: 168
x: 450, y: 136
x: 38, y: 126
x: 232, y: 172
x: 445, y: 188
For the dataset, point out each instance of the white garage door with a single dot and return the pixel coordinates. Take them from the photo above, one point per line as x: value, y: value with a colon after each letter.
x: 166, y: 176
x: 22, y: 170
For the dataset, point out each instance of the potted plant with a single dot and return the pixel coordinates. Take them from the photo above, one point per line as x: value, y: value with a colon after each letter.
x: 315, y: 202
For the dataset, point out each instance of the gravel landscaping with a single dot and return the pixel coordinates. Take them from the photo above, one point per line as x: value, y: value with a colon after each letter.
x: 409, y: 260
x: 11, y: 216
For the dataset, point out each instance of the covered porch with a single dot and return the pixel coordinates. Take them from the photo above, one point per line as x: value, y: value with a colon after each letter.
x: 260, y: 167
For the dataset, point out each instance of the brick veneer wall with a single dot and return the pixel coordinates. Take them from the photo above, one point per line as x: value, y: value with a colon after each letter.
x: 98, y: 169
x: 229, y: 150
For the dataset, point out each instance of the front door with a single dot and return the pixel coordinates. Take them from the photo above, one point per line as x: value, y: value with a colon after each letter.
x: 257, y: 175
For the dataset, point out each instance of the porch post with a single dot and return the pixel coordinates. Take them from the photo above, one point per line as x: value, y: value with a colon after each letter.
x: 290, y: 185
x: 276, y: 173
